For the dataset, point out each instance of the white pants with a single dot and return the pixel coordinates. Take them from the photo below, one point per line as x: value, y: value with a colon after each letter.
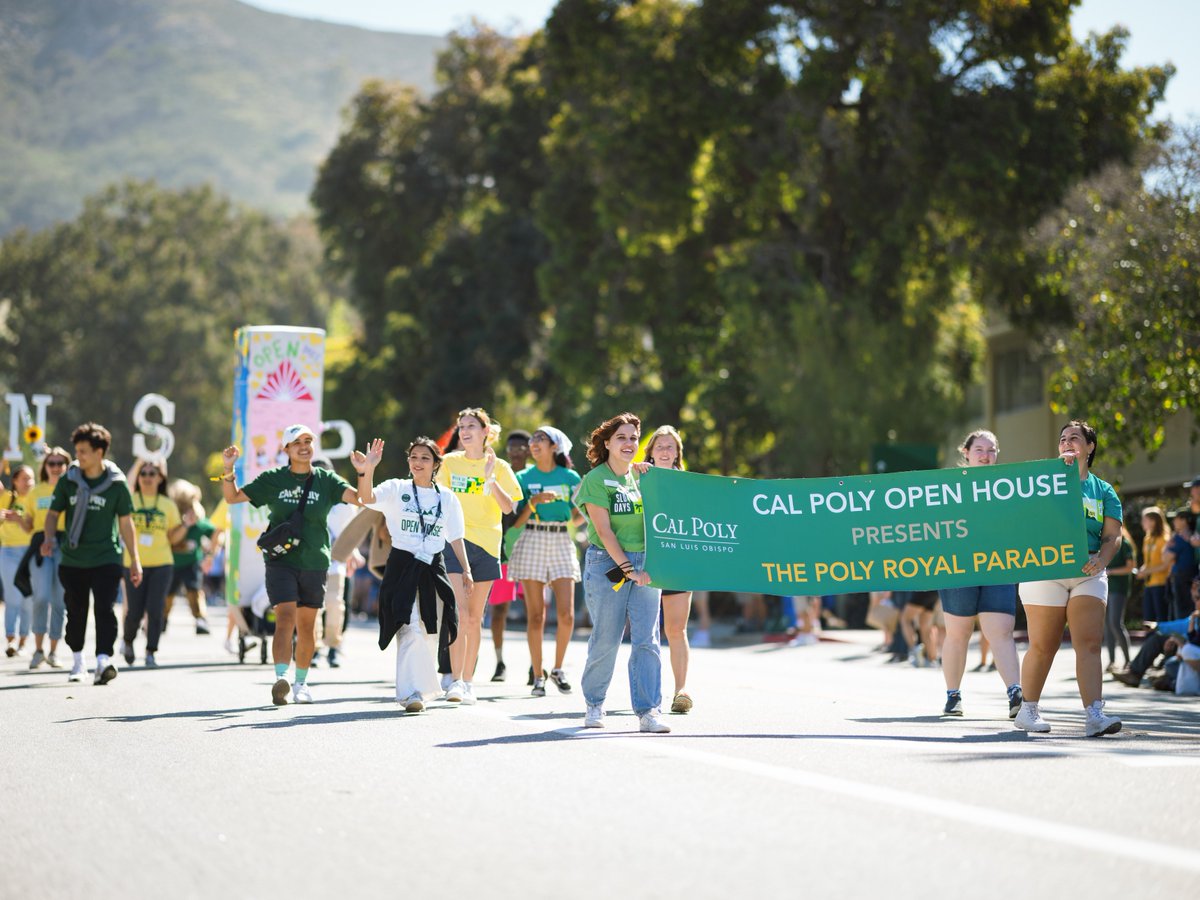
x: 335, y: 612
x: 416, y: 659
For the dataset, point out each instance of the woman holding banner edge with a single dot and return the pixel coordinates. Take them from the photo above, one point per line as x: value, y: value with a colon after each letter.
x: 994, y: 604
x: 1077, y: 602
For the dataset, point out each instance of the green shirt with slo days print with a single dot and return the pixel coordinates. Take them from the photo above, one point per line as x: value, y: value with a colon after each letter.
x: 622, y: 498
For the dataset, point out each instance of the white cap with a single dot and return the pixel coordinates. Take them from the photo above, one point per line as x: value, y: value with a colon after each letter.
x: 294, y: 432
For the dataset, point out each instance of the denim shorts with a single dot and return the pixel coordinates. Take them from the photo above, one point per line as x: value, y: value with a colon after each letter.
x: 484, y: 566
x: 988, y: 598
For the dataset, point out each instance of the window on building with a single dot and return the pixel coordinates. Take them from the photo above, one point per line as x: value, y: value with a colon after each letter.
x: 1017, y: 380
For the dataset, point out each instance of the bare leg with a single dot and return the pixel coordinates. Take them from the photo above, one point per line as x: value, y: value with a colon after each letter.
x: 954, y: 651
x: 984, y: 643
x: 1045, y: 637
x: 1086, y: 618
x: 285, y: 627
x: 306, y: 644
x: 499, y: 620
x: 464, y: 652
x: 676, y: 609
x: 535, y: 627
x: 997, y: 629
x: 564, y: 604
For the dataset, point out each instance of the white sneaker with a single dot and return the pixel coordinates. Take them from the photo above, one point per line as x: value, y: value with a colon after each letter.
x: 231, y: 646
x: 651, y: 723
x: 1098, y: 724
x: 594, y: 717
x: 301, y: 693
x: 78, y: 671
x: 700, y: 639
x: 106, y: 670
x: 414, y: 703
x: 1030, y: 719
x: 447, y: 680
x: 456, y: 692
x: 38, y: 658
x: 468, y: 694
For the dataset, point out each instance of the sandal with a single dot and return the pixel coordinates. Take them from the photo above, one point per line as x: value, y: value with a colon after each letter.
x: 682, y: 703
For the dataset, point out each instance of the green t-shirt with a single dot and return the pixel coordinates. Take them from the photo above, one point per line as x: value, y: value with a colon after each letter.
x: 1124, y: 554
x: 191, y: 549
x: 560, y: 481
x: 621, y: 497
x: 279, y: 491
x: 1100, y: 501
x: 99, y: 543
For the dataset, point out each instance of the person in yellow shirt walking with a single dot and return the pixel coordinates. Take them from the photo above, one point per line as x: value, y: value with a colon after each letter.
x: 49, y: 607
x: 158, y: 527
x: 15, y: 531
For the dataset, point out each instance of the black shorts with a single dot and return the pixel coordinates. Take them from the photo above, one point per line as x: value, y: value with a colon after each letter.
x: 484, y: 566
x: 304, y: 587
x: 185, y: 578
x: 924, y: 599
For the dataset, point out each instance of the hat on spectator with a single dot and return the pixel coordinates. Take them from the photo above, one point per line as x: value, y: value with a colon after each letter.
x: 1195, y: 482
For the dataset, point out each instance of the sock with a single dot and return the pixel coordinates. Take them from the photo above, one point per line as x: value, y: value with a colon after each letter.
x: 953, y: 693
x: 1030, y: 705
x: 280, y: 670
x: 499, y: 655
x: 301, y: 675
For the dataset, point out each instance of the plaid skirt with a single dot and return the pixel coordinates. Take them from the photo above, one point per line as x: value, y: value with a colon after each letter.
x: 544, y: 552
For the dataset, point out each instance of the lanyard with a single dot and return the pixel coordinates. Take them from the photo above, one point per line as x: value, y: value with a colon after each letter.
x: 437, y: 514
x: 148, y: 513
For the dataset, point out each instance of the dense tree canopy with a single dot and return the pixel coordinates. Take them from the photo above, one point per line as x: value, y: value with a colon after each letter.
x: 775, y: 224
x: 140, y: 294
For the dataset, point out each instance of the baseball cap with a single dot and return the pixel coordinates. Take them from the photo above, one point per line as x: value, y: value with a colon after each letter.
x: 294, y: 432
x: 1195, y: 482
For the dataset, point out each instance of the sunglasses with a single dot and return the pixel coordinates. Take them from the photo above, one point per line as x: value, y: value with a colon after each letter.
x: 55, y: 463
x: 148, y: 473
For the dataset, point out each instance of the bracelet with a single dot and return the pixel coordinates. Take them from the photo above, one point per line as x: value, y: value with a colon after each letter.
x: 229, y: 476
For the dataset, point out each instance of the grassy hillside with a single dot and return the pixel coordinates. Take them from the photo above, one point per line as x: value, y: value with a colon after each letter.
x: 183, y: 91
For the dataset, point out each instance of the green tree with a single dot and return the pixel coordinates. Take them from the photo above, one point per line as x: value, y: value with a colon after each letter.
x: 142, y: 293
x: 1125, y: 248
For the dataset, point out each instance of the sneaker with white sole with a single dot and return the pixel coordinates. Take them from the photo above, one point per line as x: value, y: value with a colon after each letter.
x: 301, y: 693
x: 279, y: 692
x: 78, y: 671
x: 106, y: 670
x: 52, y: 660
x: 1030, y: 719
x: 1015, y: 698
x: 594, y: 718
x: 447, y: 680
x: 1098, y: 724
x: 414, y: 702
x: 38, y: 658
x: 953, y: 705
x: 651, y: 723
x: 468, y: 694
x: 539, y: 687
x: 456, y: 692
x: 559, y: 678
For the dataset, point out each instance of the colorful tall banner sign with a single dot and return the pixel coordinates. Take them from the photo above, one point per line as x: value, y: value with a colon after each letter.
x: 909, y: 531
x: 279, y: 380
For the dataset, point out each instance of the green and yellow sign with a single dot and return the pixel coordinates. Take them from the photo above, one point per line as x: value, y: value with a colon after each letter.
x: 907, y: 531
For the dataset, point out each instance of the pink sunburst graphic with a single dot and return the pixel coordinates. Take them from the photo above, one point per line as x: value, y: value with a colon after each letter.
x: 284, y: 383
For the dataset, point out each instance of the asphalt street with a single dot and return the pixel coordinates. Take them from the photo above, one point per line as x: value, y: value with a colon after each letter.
x: 800, y: 770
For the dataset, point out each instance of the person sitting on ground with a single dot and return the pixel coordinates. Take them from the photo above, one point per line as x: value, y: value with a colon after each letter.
x: 1165, y: 641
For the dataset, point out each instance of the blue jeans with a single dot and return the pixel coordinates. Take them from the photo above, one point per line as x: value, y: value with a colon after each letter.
x: 17, y: 609
x: 48, y: 604
x: 971, y: 601
x: 609, y: 610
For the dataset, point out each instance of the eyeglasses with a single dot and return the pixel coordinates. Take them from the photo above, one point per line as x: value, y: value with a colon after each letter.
x: 148, y: 473
x: 538, y: 436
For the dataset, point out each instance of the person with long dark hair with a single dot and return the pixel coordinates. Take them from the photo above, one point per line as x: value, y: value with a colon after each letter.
x: 415, y: 596
x: 49, y: 608
x: 15, y: 532
x: 1076, y: 602
x: 545, y: 553
x: 616, y: 585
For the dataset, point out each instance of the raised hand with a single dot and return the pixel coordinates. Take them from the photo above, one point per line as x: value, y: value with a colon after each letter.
x: 229, y: 457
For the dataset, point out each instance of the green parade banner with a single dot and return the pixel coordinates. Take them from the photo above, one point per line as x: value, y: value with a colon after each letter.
x: 909, y: 531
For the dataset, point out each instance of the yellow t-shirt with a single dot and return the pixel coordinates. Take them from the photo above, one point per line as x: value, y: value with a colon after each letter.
x: 39, y: 498
x: 153, y: 520
x: 481, y: 512
x: 220, y: 516
x: 11, y: 533
x: 1152, y: 555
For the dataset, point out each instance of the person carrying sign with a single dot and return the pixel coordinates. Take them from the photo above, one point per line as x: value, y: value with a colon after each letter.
x: 995, y: 604
x: 616, y: 587
x: 298, y: 495
x: 1077, y: 602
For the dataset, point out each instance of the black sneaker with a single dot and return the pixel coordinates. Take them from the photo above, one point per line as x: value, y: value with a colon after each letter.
x: 954, y: 705
x: 559, y: 677
x: 1015, y: 698
x: 539, y: 688
x: 201, y: 627
x: 332, y: 656
x: 501, y: 671
x: 530, y: 681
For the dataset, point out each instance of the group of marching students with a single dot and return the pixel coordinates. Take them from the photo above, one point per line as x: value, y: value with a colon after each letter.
x: 444, y: 525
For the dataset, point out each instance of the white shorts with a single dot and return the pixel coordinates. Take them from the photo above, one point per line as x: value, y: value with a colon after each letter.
x: 1057, y: 593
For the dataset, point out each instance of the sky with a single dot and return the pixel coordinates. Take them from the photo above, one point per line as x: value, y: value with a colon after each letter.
x: 1160, y: 30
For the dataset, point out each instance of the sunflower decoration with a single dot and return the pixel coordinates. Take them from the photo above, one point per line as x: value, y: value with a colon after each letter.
x: 33, y: 435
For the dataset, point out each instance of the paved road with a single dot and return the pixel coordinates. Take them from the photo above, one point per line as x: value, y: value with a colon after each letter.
x: 800, y: 770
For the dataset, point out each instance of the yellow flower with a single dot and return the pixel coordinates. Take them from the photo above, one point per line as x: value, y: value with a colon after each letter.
x: 33, y: 435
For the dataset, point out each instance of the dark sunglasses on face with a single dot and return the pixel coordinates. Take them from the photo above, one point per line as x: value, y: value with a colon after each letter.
x: 148, y: 473
x: 55, y: 463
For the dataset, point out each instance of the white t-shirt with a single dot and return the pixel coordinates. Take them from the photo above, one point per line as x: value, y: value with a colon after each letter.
x: 395, y: 499
x: 1187, y: 680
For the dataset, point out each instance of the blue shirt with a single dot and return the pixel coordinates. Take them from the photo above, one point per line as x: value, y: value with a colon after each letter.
x: 1100, y: 501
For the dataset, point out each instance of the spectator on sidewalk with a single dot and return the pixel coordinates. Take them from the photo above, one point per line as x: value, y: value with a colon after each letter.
x: 1154, y: 570
x: 1182, y: 556
x: 1165, y: 641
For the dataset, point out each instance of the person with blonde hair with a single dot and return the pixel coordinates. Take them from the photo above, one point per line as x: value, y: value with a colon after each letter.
x: 49, y: 608
x: 486, y: 488
x: 1154, y: 570
x: 15, y: 533
x: 190, y: 553
x: 158, y: 527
